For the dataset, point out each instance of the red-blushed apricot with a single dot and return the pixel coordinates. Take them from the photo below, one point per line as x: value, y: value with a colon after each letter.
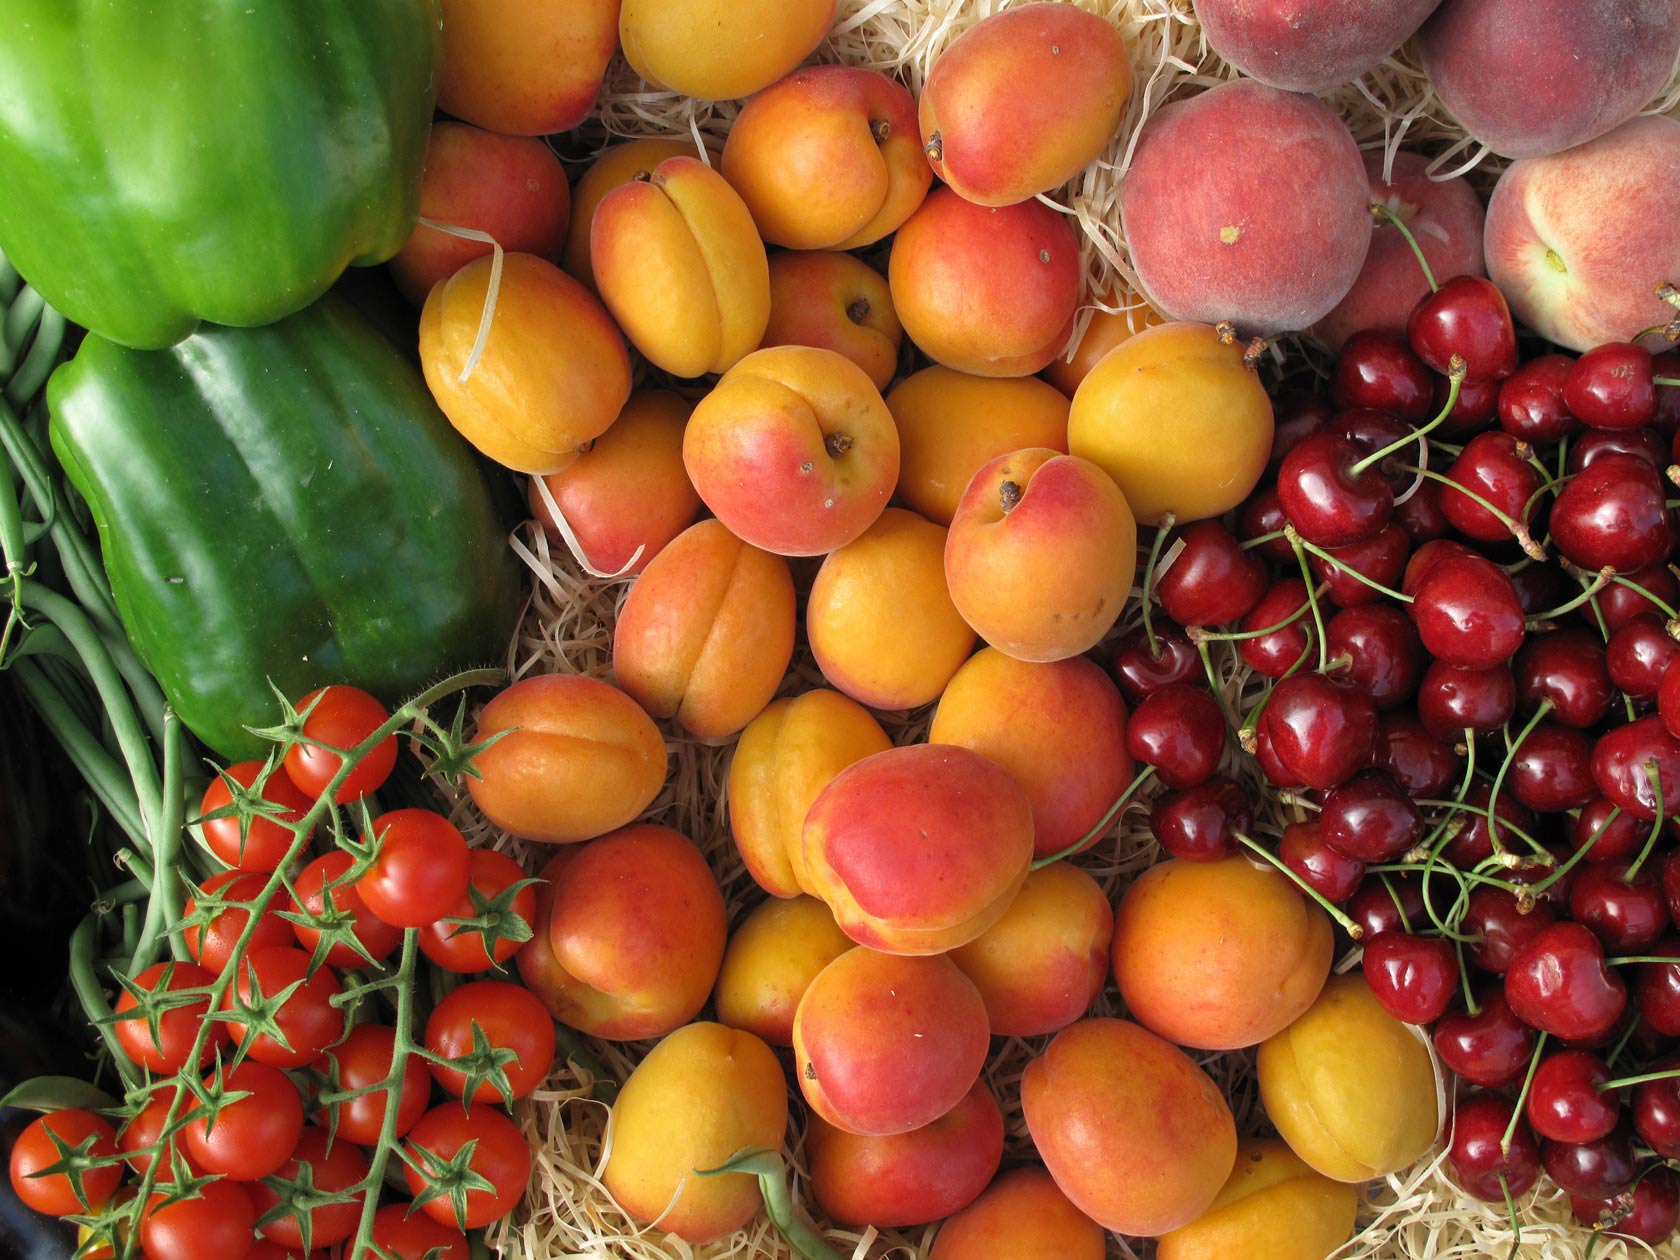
x: 699, y: 1096
x: 834, y: 302
x: 786, y: 756
x: 919, y: 849
x: 617, y: 164
x: 1308, y: 45
x: 1124, y: 314
x: 1135, y: 1134
x: 771, y: 960
x: 884, y: 1044
x: 1273, y: 1207
x: 951, y: 424
x: 1058, y: 726
x: 525, y: 67
x: 563, y: 731
x: 718, y: 50
x: 1022, y: 1215
x: 706, y: 632
x: 907, y: 1178
x: 1218, y: 955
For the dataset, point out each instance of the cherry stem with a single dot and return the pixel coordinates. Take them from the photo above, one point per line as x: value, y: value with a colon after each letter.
x: 1162, y: 529
x: 1519, y: 532
x: 1455, y: 382
x: 1348, y: 925
x: 1312, y: 599
x: 1325, y: 555
x: 1570, y: 862
x: 1103, y: 824
x: 1667, y: 611
x: 1510, y: 1203
x: 1665, y: 380
x: 1540, y: 711
x: 1199, y: 635
x: 1248, y: 544
x: 1212, y: 676
x: 1522, y: 1095
x: 1600, y: 580
x: 1621, y: 1043
x: 1383, y: 212
x: 1641, y: 1079
x: 1625, y: 960
x: 1654, y: 778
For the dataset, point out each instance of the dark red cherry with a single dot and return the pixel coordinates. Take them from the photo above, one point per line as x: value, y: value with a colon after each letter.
x: 1566, y: 1102
x: 1468, y: 317
x: 1472, y: 411
x: 1426, y: 557
x: 1493, y: 467
x: 1468, y: 614
x: 1322, y: 730
x: 1326, y: 501
x: 1596, y: 444
x: 1592, y: 1170
x: 1376, y: 431
x: 1277, y: 774
x: 1387, y: 903
x: 1656, y: 1111
x: 1450, y: 699
x: 1484, y: 1170
x: 1639, y: 653
x: 1422, y: 764
x: 1565, y: 667
x: 1212, y: 580
x: 1384, y: 656
x: 1414, y: 977
x: 1503, y: 925
x: 1668, y: 697
x: 1560, y: 983
x: 1370, y: 818
x: 1294, y: 415
x: 1140, y: 671
x: 1531, y: 406
x: 1420, y: 515
x: 1627, y: 915
x: 1377, y: 369
x: 1609, y: 387
x: 1328, y: 873
x: 1670, y: 877
x: 1620, y: 765
x: 1275, y: 653
x: 1540, y: 588
x: 1667, y: 420
x: 1261, y: 516
x: 1552, y: 770
x: 1198, y: 824
x: 1648, y: 1211
x: 1180, y: 730
x: 1613, y: 515
x: 1620, y: 602
x: 1474, y: 844
x: 1613, y: 839
x: 1657, y: 987
x: 1380, y: 558
x: 1491, y: 1048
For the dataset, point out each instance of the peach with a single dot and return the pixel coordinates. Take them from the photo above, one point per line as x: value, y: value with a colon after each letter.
x: 907, y: 1178
x: 1349, y: 1087
x: 1141, y: 1148
x: 699, y: 1096
x: 1218, y: 955
x: 616, y: 165
x: 1308, y: 45
x: 1024, y: 1216
x: 680, y: 266
x: 634, y: 928
x: 1267, y: 227
x: 627, y: 495
x: 986, y: 290
x: 770, y: 962
x: 1212, y: 454
x: 787, y: 755
x: 1122, y: 317
x: 835, y: 302
x: 1445, y: 216
x: 1023, y: 101
x: 828, y: 158
x: 1579, y: 242
x: 1041, y: 966
x: 510, y: 187
x: 526, y: 68
x: 1274, y: 1207
x: 718, y: 50
x: 793, y: 450
x: 881, y: 623
x: 1601, y: 64
x: 552, y: 374
x: 884, y: 1044
x: 919, y: 849
x: 706, y: 632
x: 950, y: 424
x: 564, y: 730
x: 1058, y: 726
x: 1041, y: 554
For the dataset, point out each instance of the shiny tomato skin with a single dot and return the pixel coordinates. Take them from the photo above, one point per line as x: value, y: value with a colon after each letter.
x: 308, y: 1018
x: 266, y: 842
x: 492, y: 874
x: 55, y: 1193
x: 378, y: 937
x: 342, y: 717
x: 411, y: 1237
x: 501, y: 1155
x: 177, y: 1026
x: 211, y: 946
x: 422, y: 869
x: 364, y: 1058
x: 251, y: 1135
x: 511, y: 1017
x: 220, y: 1222
x: 337, y: 1167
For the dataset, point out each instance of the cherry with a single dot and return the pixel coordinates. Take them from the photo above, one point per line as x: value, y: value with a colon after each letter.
x: 1656, y: 1111
x: 1278, y: 774
x: 1381, y: 558
x: 1541, y: 588
x: 1609, y: 387
x: 1560, y: 983
x: 1618, y: 603
x: 1531, y: 870
x: 1294, y: 415
x: 1322, y: 730
x: 1371, y: 818
x: 1657, y: 988
x: 1552, y: 770
x: 1276, y: 653
x: 1592, y: 1170
x: 1503, y: 926
x: 1426, y: 557
x: 1466, y: 316
x: 1450, y: 699
x: 1468, y: 614
x: 1420, y: 515
x: 1613, y: 515
x: 1627, y: 915
x: 1567, y: 668
x: 1262, y: 514
x: 1472, y: 411
x: 1494, y: 467
x: 1180, y: 730
x: 1376, y: 431
x: 1475, y: 842
x: 1327, y: 872
x: 1483, y: 1169
x: 1140, y: 671
x: 1639, y: 654
x: 1197, y: 824
x: 1422, y: 764
x: 1325, y: 498
x: 1213, y: 580
x: 1386, y: 904
x: 1385, y: 659
x: 1531, y: 405
x: 1617, y: 839
x: 1670, y: 881
x: 1565, y: 1102
x: 1377, y: 369
x: 1648, y: 1212
x: 1491, y: 1048
x: 1667, y: 419
x: 1597, y: 444
x: 1620, y: 766
x: 1668, y: 698
x: 1414, y: 977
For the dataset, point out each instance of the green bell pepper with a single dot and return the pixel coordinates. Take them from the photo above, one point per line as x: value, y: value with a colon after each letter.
x: 169, y: 161
x: 284, y: 503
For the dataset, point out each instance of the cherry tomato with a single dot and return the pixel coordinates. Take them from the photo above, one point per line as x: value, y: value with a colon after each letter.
x: 267, y: 1249
x: 377, y: 937
x: 77, y: 1190
x: 251, y: 1135
x: 412, y: 1237
x: 462, y: 949
x: 177, y: 1026
x: 265, y: 842
x: 145, y: 1129
x: 307, y: 1018
x: 510, y: 1017
x: 220, y: 1221
x: 339, y: 1168
x: 364, y: 1058
x: 212, y: 946
x: 342, y: 717
x: 422, y: 869
x: 500, y: 1155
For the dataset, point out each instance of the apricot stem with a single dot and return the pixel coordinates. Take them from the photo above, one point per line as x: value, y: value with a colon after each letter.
x: 1103, y: 824
x: 1383, y: 212
x: 1348, y: 925
x: 880, y: 128
x: 1009, y: 494
x: 858, y: 311
x: 935, y: 148
x: 837, y: 444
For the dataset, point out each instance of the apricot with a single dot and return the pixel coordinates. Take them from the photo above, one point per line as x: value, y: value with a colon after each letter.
x: 1122, y: 317
x: 1041, y: 965
x: 717, y: 50
x: 526, y: 68
x: 827, y: 158
x: 617, y: 164
x: 835, y: 302
x: 1308, y: 45
x: 1218, y: 955
x: 1041, y: 554
x: 1058, y: 726
x: 907, y: 1178
x: 1266, y: 226
x: 1023, y: 101
x: 565, y: 731
x: 1212, y: 454
x: 881, y: 623
x: 680, y: 266
x: 1349, y: 1087
x: 787, y: 755
x: 1135, y: 1134
x: 552, y: 374
x: 986, y: 290
x: 706, y: 632
x: 950, y: 424
x: 627, y: 495
x: 770, y: 962
x: 885, y: 1044
x: 793, y: 450
x: 1273, y: 1207
x: 1024, y: 1216
x: 633, y: 925
x: 699, y: 1096
x: 511, y: 187
x: 919, y: 849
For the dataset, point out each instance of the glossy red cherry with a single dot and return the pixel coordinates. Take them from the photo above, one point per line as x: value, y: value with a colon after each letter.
x: 1613, y: 515
x: 1386, y: 903
x: 1467, y: 613
x: 1618, y: 603
x: 1414, y: 977
x: 1621, y: 765
x: 1325, y: 499
x: 1199, y: 823
x: 1426, y: 557
x: 1609, y: 387
x: 1180, y: 730
x: 1295, y: 413
x: 1371, y: 818
x: 1656, y: 1111
x: 1474, y: 843
x: 1472, y: 411
x: 1566, y: 668
x: 1420, y: 515
x: 1481, y: 1167
x: 1381, y: 559
x: 1657, y: 987
x: 1384, y: 656
x: 1501, y: 925
x: 1560, y: 983
x: 1494, y: 467
x: 1422, y: 764
x: 1373, y: 432
x: 1670, y: 878
x: 1592, y: 1170
x: 1451, y: 700
x: 1638, y: 654
x: 1541, y: 588
x: 1212, y: 580
x: 1612, y: 839
x: 1531, y: 405
x: 1565, y: 1101
x: 1627, y: 915
x: 1330, y: 874
x: 1378, y: 369
x: 1275, y: 653
x: 1140, y: 671
x: 1277, y: 774
x: 1260, y: 516
x: 1322, y: 730
x: 1648, y: 1211
x: 1468, y: 317
x: 1596, y: 444
x: 1552, y: 770
x: 1668, y: 698
x: 1491, y: 1048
